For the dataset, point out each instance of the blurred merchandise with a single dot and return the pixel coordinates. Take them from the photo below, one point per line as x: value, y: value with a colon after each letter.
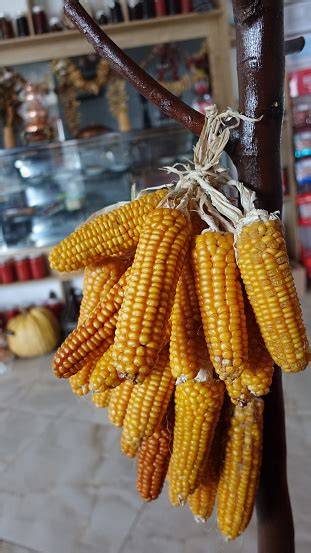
x: 6, y: 27
x: 35, y: 113
x: 55, y: 25
x: 186, y: 6
x: 303, y: 174
x: 6, y: 356
x: 116, y: 15
x: 101, y: 17
x: 160, y: 8
x: 38, y: 266
x: 33, y: 333
x: 7, y: 271
x: 173, y: 7
x: 22, y: 268
x: 71, y: 310
x: 40, y: 22
x: 302, y: 143
x: 203, y: 5
x: 300, y: 82
x: 55, y: 305
x: 202, y: 97
x: 22, y: 25
x: 135, y: 9
x: 148, y: 9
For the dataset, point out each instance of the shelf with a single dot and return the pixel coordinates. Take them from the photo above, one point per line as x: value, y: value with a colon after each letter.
x: 127, y: 35
x: 62, y: 277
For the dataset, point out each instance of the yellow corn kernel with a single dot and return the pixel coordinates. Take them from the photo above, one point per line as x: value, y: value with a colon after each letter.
x: 201, y: 501
x: 197, y: 409
x: 101, y: 400
x: 110, y: 234
x: 266, y: 273
x: 130, y: 449
x: 257, y: 376
x: 150, y: 291
x: 91, y: 339
x: 98, y: 280
x: 80, y: 381
x: 119, y: 401
x: 240, y: 471
x: 238, y: 391
x: 104, y: 375
x: 188, y: 349
x: 153, y: 459
x: 221, y: 303
x: 149, y: 400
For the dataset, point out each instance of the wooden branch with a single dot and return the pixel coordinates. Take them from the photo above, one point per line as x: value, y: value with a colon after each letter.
x: 260, y: 64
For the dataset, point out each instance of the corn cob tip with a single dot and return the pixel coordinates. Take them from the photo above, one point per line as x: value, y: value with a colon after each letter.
x: 200, y: 520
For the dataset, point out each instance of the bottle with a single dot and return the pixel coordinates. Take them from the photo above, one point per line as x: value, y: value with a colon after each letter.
x: 101, y: 17
x: 186, y: 6
x: 160, y: 8
x: 148, y: 9
x: 135, y: 9
x: 22, y: 26
x: 116, y: 15
x: 6, y: 27
x: 40, y: 22
x: 55, y: 25
x: 173, y: 7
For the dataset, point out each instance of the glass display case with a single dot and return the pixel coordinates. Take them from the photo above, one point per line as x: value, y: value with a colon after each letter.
x: 47, y: 190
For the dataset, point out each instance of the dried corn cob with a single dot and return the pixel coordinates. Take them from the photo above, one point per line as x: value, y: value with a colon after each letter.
x: 188, y: 350
x: 270, y: 287
x: 80, y: 381
x: 153, y: 459
x: 197, y: 409
x: 238, y: 391
x: 104, y: 375
x: 98, y: 280
x: 130, y: 449
x: 111, y: 234
x: 118, y: 403
x: 150, y: 291
x: 149, y: 400
x: 201, y: 502
x: 240, y: 471
x: 91, y: 339
x: 221, y: 303
x: 101, y: 400
x: 257, y: 376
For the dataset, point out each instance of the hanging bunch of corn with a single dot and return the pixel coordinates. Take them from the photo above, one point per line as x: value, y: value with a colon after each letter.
x: 188, y: 300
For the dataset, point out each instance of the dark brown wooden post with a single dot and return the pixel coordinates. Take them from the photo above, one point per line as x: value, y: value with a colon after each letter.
x: 260, y: 65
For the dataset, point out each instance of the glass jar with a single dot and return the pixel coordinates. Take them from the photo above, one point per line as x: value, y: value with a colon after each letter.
x: 135, y: 9
x: 22, y: 26
x: 7, y: 270
x: 116, y: 15
x: 148, y: 9
x: 160, y: 8
x: 6, y: 27
x: 40, y: 22
x: 22, y: 267
x: 186, y: 6
x: 38, y: 266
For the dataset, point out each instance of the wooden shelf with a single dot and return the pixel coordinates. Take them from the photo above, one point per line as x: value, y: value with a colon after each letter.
x: 54, y: 276
x: 127, y: 35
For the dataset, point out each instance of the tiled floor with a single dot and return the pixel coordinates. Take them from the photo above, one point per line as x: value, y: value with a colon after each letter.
x: 65, y: 488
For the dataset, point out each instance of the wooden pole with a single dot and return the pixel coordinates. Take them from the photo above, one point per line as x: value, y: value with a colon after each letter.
x: 261, y: 73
